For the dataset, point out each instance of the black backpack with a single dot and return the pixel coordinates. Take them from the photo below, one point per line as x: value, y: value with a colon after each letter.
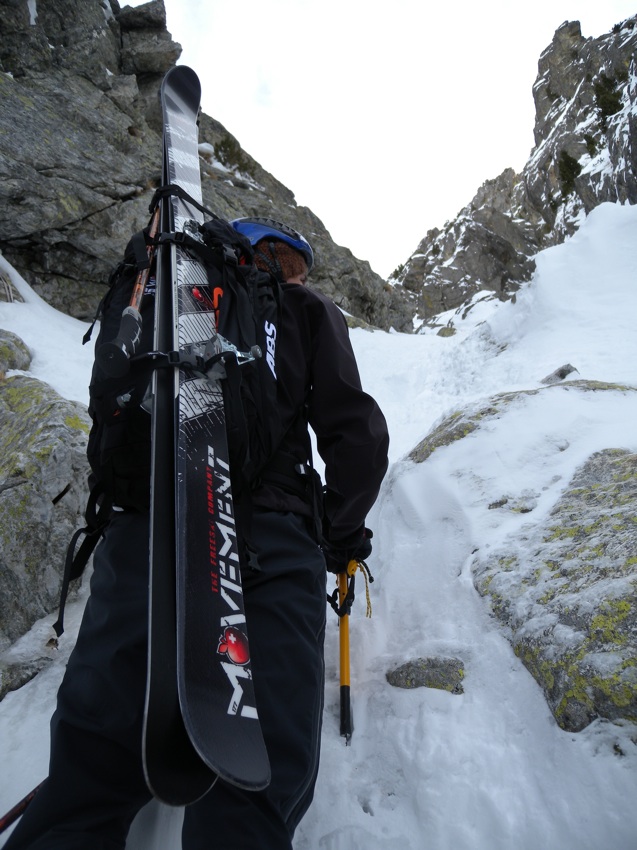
x: 248, y: 305
x: 248, y: 309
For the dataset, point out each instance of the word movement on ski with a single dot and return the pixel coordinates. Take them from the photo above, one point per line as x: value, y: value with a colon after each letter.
x: 225, y: 580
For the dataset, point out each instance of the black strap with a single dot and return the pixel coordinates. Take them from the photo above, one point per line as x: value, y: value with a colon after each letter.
x: 272, y: 262
x: 286, y: 472
x: 175, y: 189
x: 97, y: 515
x: 139, y: 245
x: 346, y: 607
x: 100, y: 306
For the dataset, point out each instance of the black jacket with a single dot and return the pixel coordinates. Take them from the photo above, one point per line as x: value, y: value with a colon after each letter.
x: 319, y: 384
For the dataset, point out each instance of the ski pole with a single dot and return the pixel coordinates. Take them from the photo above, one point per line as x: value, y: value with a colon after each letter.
x: 114, y: 356
x: 13, y: 814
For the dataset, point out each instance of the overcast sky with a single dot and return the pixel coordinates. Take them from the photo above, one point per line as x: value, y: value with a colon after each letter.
x: 384, y: 119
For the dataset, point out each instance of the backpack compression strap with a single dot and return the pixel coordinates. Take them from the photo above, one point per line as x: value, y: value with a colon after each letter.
x: 174, y: 189
x: 97, y: 519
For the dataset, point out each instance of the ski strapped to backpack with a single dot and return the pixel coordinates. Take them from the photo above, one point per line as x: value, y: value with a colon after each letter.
x: 247, y: 306
x: 248, y: 312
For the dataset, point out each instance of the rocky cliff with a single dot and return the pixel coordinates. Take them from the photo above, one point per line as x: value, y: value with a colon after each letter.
x: 80, y: 155
x: 585, y: 154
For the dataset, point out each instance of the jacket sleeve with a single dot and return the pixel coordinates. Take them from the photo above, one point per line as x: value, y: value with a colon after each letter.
x: 350, y: 428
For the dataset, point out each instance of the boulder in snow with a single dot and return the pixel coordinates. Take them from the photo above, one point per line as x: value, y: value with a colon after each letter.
x: 43, y: 493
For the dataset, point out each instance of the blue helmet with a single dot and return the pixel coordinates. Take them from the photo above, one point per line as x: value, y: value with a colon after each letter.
x: 256, y: 229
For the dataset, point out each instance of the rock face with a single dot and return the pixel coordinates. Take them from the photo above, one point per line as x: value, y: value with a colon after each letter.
x: 78, y: 89
x: 580, y: 571
x: 563, y: 584
x: 43, y: 492
x: 80, y: 155
x: 13, y: 353
x: 585, y: 154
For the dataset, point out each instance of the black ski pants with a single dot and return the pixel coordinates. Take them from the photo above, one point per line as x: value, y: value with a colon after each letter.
x: 96, y: 784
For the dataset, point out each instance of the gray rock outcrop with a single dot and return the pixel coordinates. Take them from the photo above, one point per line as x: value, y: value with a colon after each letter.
x: 563, y: 585
x: 585, y: 154
x: 13, y: 353
x: 80, y: 156
x: 577, y: 629
x: 43, y: 492
x: 445, y: 674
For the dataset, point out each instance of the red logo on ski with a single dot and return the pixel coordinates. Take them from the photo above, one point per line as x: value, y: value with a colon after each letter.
x: 234, y: 644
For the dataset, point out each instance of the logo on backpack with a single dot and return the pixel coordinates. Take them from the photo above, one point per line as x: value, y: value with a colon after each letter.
x: 270, y: 341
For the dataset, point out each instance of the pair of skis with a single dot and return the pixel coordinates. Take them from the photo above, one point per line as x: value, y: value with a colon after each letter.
x: 207, y: 726
x: 200, y: 718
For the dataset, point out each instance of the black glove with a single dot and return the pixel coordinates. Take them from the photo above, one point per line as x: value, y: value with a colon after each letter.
x: 338, y: 554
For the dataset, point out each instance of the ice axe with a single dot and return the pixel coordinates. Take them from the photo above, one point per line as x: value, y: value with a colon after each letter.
x: 345, y: 590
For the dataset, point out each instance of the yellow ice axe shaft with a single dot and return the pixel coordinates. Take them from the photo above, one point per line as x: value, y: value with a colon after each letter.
x: 347, y: 726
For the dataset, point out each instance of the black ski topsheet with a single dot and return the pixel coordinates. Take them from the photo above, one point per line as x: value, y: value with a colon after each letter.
x: 174, y: 771
x: 215, y: 702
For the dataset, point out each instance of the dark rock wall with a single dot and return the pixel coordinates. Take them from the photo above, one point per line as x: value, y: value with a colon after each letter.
x: 80, y: 155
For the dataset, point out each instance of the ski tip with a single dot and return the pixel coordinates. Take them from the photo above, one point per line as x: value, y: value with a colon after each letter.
x: 184, y: 81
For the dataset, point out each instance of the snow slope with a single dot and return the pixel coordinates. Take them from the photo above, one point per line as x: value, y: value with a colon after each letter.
x: 488, y: 769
